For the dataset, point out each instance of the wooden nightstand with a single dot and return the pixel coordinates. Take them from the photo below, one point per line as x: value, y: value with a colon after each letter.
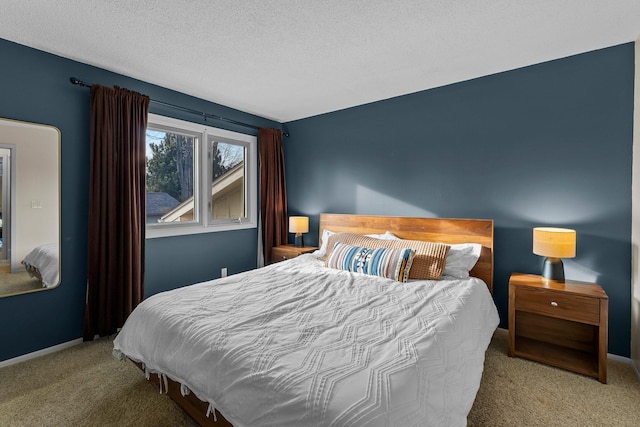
x: 284, y: 252
x: 560, y: 324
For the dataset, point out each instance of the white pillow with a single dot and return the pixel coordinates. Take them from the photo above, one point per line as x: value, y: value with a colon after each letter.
x: 461, y: 259
x: 326, y: 234
x: 386, y: 236
x: 325, y: 240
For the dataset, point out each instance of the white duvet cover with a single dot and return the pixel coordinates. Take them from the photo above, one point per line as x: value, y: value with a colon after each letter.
x: 45, y: 259
x: 299, y: 344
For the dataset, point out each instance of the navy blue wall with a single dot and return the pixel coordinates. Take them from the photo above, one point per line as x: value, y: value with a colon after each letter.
x: 34, y: 87
x: 544, y: 145
x: 549, y: 144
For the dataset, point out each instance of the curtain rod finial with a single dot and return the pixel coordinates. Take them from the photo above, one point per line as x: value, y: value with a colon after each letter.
x: 77, y: 81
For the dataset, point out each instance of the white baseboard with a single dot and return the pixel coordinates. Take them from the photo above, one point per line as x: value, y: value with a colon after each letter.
x: 636, y: 369
x: 619, y: 358
x: 39, y: 353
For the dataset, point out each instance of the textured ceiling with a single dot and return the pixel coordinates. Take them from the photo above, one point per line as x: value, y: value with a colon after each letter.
x: 290, y: 59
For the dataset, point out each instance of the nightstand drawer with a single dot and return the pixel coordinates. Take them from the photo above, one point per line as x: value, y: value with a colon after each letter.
x: 285, y: 252
x: 282, y: 254
x: 560, y: 305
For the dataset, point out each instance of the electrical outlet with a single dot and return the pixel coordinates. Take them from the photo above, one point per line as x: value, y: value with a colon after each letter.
x: 223, y: 272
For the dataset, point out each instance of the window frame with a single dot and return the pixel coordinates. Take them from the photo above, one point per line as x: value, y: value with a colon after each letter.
x: 210, y: 140
x: 203, y: 174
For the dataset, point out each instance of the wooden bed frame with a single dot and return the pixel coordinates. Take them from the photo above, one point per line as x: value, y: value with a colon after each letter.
x: 445, y: 230
x: 33, y: 272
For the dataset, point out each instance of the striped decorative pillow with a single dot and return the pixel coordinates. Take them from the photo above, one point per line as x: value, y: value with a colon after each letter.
x: 383, y: 262
x: 429, y: 261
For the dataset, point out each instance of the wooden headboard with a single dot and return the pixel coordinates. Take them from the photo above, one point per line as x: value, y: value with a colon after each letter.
x: 445, y: 230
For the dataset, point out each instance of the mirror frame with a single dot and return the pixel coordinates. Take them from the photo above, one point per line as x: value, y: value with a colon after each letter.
x: 17, y: 152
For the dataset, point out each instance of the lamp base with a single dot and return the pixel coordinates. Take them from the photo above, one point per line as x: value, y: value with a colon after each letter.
x: 553, y: 269
x: 298, y: 241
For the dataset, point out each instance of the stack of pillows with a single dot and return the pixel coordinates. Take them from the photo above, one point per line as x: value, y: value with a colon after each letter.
x: 386, y: 255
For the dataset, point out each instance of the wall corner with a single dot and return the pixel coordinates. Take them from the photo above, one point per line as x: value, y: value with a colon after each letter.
x: 635, y: 218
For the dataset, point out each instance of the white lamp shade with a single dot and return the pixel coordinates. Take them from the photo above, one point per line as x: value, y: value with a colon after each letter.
x: 298, y: 224
x: 554, y: 242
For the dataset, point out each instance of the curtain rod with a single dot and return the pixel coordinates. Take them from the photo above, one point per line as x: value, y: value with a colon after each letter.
x: 76, y: 81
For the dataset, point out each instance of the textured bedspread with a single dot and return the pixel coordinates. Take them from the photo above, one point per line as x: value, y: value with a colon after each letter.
x: 45, y: 259
x: 298, y: 344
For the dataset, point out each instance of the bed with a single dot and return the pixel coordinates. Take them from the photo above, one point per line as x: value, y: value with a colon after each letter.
x: 43, y: 263
x: 296, y: 343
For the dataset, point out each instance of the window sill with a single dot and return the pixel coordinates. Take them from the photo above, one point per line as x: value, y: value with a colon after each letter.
x: 154, y: 233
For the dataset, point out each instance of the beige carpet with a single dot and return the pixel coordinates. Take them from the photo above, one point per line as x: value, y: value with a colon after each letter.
x: 15, y: 283
x: 85, y: 386
x: 519, y: 392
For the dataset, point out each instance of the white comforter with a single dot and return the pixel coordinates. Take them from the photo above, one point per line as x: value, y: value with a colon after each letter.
x: 298, y: 344
x: 46, y: 259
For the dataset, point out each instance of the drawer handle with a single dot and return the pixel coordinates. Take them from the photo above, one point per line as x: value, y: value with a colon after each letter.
x: 553, y: 303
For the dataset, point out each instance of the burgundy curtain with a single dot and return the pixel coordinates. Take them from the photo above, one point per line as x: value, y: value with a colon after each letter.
x: 115, y: 279
x: 273, y: 192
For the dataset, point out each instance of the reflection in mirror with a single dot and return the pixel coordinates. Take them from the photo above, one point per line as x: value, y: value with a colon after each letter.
x: 29, y: 207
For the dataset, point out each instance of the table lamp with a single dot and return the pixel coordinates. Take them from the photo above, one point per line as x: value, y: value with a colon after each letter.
x: 554, y: 243
x: 298, y: 225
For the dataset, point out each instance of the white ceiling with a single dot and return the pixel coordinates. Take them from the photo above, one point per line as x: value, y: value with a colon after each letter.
x: 290, y: 59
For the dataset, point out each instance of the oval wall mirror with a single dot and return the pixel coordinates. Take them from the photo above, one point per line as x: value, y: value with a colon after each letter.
x: 29, y: 207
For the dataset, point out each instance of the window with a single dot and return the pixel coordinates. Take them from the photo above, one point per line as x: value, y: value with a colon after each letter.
x: 171, y: 170
x: 199, y: 179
